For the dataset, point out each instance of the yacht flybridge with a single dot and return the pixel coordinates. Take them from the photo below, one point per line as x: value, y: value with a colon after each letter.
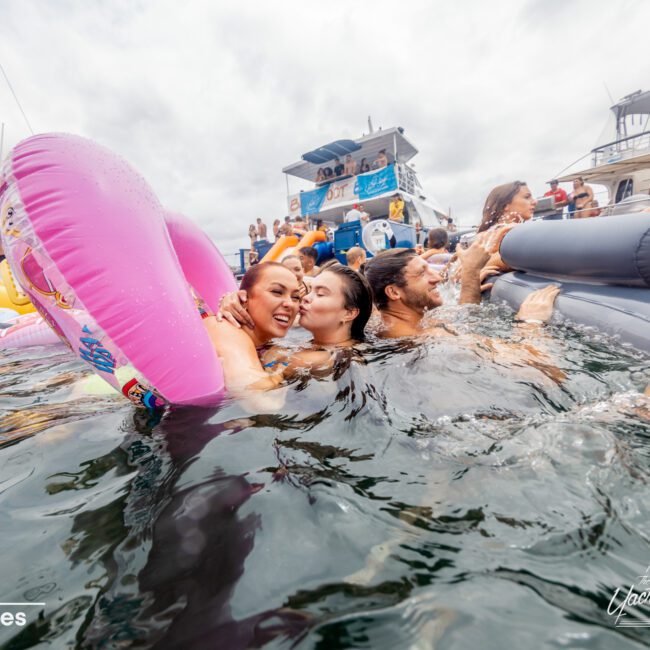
x: 622, y: 162
x: 330, y: 199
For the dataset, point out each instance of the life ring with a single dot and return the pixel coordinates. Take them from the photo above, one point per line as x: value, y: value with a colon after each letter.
x: 90, y: 245
x: 376, y: 235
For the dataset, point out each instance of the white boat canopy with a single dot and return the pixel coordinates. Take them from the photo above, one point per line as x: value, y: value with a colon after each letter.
x: 392, y: 140
x: 604, y: 173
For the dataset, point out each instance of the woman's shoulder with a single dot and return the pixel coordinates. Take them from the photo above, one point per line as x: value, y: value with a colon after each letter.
x: 224, y: 335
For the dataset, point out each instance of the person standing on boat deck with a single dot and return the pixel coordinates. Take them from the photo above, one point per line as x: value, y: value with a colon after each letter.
x: 381, y: 160
x: 320, y: 175
x: 350, y: 167
x: 353, y: 215
x: 561, y: 198
x: 286, y: 229
x: 252, y: 233
x: 261, y: 228
x: 308, y: 257
x: 364, y: 166
x: 451, y: 226
x: 276, y: 229
x: 582, y: 196
x: 396, y: 209
x: 420, y: 235
x: 356, y: 258
x: 299, y: 227
x: 365, y: 217
x: 338, y: 167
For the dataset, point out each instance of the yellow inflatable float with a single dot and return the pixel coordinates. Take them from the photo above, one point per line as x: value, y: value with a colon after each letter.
x: 11, y: 297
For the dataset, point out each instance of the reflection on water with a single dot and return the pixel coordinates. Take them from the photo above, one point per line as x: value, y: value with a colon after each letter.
x: 451, y: 493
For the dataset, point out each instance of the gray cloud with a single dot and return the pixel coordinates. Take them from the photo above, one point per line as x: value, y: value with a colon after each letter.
x: 210, y: 102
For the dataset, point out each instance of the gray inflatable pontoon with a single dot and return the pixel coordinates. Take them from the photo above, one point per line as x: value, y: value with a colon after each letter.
x: 602, y: 265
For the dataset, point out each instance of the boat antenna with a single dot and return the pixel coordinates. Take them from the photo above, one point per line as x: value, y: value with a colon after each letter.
x: 29, y: 126
x: 370, y: 129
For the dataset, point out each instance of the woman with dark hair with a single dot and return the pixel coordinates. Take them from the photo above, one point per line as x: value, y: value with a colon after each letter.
x: 505, y: 207
x: 364, y: 166
x: 511, y: 203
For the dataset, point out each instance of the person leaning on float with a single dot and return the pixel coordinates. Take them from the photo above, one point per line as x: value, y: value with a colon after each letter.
x: 506, y: 207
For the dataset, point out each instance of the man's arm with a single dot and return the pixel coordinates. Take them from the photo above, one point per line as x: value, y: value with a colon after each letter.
x: 473, y: 260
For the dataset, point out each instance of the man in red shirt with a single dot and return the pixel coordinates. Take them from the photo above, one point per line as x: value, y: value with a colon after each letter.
x: 561, y: 198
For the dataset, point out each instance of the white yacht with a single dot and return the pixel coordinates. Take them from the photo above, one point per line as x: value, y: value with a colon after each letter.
x: 622, y: 162
x: 332, y: 198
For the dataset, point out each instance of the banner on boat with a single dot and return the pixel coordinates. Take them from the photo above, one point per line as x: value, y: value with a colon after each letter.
x: 354, y: 188
x: 376, y: 183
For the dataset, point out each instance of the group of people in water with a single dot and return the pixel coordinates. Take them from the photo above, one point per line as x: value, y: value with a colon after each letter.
x: 334, y: 303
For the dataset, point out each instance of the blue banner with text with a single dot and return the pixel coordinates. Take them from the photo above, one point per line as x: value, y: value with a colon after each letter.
x: 312, y: 201
x: 376, y: 183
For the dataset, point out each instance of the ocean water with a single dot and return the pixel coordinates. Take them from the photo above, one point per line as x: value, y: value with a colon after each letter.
x: 483, y: 490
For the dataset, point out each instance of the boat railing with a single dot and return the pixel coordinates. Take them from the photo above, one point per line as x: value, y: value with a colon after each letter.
x: 620, y: 149
x: 406, y: 179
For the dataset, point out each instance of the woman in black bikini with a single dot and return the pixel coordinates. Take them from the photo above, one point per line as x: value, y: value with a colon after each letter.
x: 582, y: 196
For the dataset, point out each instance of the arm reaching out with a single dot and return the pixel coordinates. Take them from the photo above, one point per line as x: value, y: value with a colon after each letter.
x: 537, y: 308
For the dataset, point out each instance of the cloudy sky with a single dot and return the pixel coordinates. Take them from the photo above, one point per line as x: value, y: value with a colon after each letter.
x: 209, y: 100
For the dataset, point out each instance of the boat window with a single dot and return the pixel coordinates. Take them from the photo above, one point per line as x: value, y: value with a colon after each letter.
x: 625, y: 189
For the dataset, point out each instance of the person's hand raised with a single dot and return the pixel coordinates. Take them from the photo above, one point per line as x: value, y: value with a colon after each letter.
x: 232, y: 307
x: 474, y: 258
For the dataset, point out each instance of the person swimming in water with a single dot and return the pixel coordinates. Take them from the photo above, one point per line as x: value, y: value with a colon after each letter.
x: 405, y: 288
x: 294, y: 263
x: 335, y: 312
x: 273, y: 301
x: 506, y: 206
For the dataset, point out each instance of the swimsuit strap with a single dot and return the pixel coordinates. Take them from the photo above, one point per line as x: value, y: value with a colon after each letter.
x: 270, y: 364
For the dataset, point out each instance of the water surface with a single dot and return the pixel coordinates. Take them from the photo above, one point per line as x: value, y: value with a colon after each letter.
x: 452, y: 492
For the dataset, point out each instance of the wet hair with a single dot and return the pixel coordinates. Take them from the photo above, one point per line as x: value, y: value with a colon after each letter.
x: 254, y: 274
x: 438, y: 238
x: 355, y: 253
x: 387, y: 268
x: 328, y: 264
x: 309, y: 251
x: 497, y: 201
x: 356, y: 295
